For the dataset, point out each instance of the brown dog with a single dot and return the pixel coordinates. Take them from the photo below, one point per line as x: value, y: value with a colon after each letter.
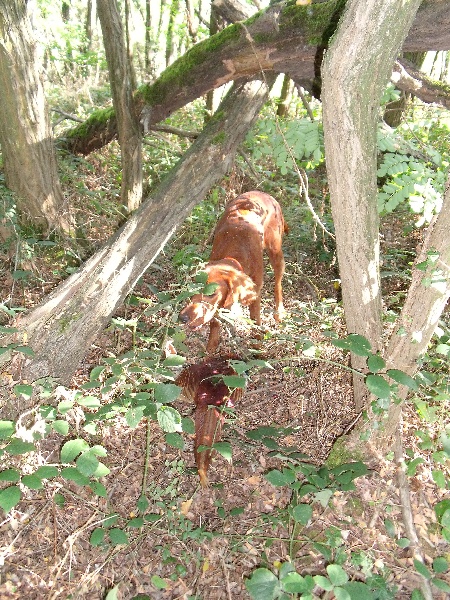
x: 251, y: 223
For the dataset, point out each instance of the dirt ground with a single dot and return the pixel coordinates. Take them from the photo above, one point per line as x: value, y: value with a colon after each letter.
x: 203, y: 544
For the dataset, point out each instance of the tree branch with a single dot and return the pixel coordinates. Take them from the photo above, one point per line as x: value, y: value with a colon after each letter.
x: 409, y: 78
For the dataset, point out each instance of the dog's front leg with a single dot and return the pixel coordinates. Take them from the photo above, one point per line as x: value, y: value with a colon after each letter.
x: 214, y: 336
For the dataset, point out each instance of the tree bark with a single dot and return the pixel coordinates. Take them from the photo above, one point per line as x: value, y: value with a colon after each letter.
x: 121, y: 81
x: 285, y: 38
x: 61, y: 330
x: 356, y: 69
x: 427, y: 297
x: 25, y: 135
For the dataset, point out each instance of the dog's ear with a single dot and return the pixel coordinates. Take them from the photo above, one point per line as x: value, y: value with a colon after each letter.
x: 241, y: 289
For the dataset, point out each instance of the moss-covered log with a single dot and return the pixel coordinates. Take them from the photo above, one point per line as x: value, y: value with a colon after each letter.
x: 285, y: 38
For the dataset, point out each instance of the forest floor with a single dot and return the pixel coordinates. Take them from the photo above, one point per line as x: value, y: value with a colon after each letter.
x: 204, y: 543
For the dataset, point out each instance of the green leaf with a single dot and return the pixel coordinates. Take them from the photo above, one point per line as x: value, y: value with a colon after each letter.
x: 375, y: 363
x: 97, y: 536
x: 134, y: 415
x: 323, y: 582
x: 11, y: 475
x: 23, y: 390
x: 65, y: 405
x: 16, y: 447
x: 440, y: 584
x: 403, y: 379
x: 234, y: 381
x: 136, y: 522
x: 7, y: 429
x: 294, y: 583
x: 175, y: 440
x: 403, y: 542
x: 118, y: 537
x: 359, y: 344
x: 159, y: 582
x: 302, y: 513
x: 101, y: 470
x: 98, y: 489
x: 224, y: 449
x: 262, y: 585
x: 87, y: 463
x: 169, y: 419
x: 166, y: 392
x: 359, y: 591
x: 337, y: 574
x: 390, y: 528
x: 61, y: 427
x: 113, y: 593
x: 89, y: 401
x: 59, y: 500
x: 72, y: 449
x: 72, y: 474
x: 174, y: 360
x: 278, y: 478
x: 341, y: 594
x: 96, y: 372
x: 378, y: 386
x: 32, y: 482
x: 439, y: 478
x: 188, y: 425
x: 421, y: 568
x: 440, y: 564
x: 9, y: 497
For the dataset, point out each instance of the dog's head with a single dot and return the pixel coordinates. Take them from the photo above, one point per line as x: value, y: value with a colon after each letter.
x: 232, y: 285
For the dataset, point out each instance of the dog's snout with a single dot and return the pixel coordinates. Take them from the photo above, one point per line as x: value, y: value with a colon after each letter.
x: 183, y: 317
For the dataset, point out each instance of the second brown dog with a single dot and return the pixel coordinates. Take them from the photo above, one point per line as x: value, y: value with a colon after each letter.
x: 252, y: 222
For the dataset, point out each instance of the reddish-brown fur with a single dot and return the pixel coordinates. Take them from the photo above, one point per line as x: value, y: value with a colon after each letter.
x: 201, y: 384
x: 252, y: 222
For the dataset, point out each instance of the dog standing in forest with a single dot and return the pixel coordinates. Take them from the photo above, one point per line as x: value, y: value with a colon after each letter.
x: 252, y: 222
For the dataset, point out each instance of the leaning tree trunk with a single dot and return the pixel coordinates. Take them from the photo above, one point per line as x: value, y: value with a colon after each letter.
x: 121, y: 81
x: 281, y: 39
x: 25, y: 135
x: 61, y: 330
x: 356, y: 68
x: 427, y: 297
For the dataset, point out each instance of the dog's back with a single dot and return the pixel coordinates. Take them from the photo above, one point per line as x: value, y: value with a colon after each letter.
x: 249, y: 224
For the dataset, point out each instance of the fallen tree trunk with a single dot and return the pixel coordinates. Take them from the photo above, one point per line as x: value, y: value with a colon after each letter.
x: 285, y: 38
x: 61, y: 330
